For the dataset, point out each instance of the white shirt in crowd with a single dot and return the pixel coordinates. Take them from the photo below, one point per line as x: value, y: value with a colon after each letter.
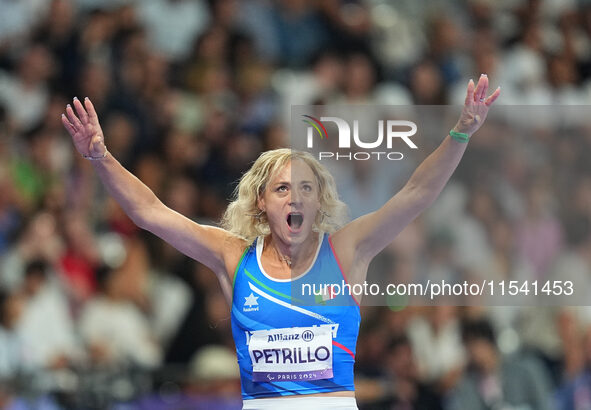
x: 46, y: 327
x: 122, y: 329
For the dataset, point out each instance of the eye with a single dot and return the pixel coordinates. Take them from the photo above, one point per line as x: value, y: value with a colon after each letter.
x: 282, y: 188
x: 307, y: 188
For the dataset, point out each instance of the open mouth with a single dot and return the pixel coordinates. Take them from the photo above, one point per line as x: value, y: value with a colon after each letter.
x: 295, y: 220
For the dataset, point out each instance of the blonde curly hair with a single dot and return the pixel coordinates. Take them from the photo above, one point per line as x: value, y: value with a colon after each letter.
x: 244, y: 218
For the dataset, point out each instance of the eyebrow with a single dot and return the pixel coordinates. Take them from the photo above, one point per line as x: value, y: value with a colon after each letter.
x: 289, y: 183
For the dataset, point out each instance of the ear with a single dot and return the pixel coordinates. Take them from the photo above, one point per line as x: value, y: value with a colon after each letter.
x: 318, y: 207
x: 261, y: 204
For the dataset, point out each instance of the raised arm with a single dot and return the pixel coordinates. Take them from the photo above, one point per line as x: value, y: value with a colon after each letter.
x: 211, y: 246
x: 366, y: 236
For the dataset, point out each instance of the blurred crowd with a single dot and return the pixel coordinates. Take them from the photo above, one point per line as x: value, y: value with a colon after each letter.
x: 94, y: 311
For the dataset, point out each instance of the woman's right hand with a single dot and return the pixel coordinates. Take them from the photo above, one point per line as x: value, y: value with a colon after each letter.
x: 85, y: 129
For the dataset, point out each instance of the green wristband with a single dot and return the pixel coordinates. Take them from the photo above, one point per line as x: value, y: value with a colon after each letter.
x: 459, y: 136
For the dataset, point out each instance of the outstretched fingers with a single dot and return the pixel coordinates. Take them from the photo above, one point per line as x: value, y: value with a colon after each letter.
x: 68, y: 125
x: 481, y: 89
x: 470, y: 92
x: 492, y: 98
x: 90, y: 109
x: 81, y: 111
x: 72, y: 117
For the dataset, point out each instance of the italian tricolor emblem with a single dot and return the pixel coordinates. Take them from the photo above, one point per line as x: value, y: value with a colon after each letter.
x: 328, y: 293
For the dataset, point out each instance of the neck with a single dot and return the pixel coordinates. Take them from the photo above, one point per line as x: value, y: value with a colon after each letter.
x: 294, y: 255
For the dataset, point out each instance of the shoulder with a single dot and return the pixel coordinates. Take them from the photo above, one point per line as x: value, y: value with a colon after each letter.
x: 344, y: 242
x: 233, y: 249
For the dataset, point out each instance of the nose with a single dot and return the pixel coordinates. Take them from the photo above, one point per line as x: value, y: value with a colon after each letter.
x: 295, y: 197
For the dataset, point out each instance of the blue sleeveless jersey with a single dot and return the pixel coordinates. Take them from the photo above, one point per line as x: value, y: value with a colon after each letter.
x: 284, y: 330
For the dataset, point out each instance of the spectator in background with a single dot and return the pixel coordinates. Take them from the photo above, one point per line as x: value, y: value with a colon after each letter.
x: 95, y: 79
x: 348, y: 24
x: 35, y: 173
x: 436, y: 344
x: 57, y: 32
x: 10, y: 212
x: 574, y: 263
x: 404, y: 388
x: 361, y: 75
x: 79, y: 258
x: 524, y: 66
x: 16, y: 368
x: 16, y: 18
x: 114, y: 329
x: 25, y: 93
x: 214, y: 370
x: 298, y: 31
x: 445, y: 47
x: 320, y: 84
x: 496, y: 381
x: 575, y: 391
x: 426, y: 84
x: 173, y: 25
x: 484, y: 57
x: 39, y: 239
x: 539, y: 234
x: 46, y: 327
x: 13, y: 360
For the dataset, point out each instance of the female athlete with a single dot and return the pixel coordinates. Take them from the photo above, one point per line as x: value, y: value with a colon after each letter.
x: 284, y: 227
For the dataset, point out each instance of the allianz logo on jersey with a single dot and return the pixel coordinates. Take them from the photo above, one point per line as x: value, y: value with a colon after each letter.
x: 250, y: 303
x: 293, y: 334
x: 307, y: 335
x: 280, y: 336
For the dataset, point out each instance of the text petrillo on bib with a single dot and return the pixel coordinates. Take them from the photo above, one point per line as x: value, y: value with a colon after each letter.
x: 291, y: 354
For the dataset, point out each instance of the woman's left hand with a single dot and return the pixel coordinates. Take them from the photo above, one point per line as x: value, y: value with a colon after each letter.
x: 476, y: 106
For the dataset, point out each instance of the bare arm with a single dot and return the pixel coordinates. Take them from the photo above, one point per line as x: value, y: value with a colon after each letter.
x: 208, y: 245
x: 200, y: 242
x: 368, y: 235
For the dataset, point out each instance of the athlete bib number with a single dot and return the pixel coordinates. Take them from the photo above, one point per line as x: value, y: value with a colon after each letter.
x: 291, y: 354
